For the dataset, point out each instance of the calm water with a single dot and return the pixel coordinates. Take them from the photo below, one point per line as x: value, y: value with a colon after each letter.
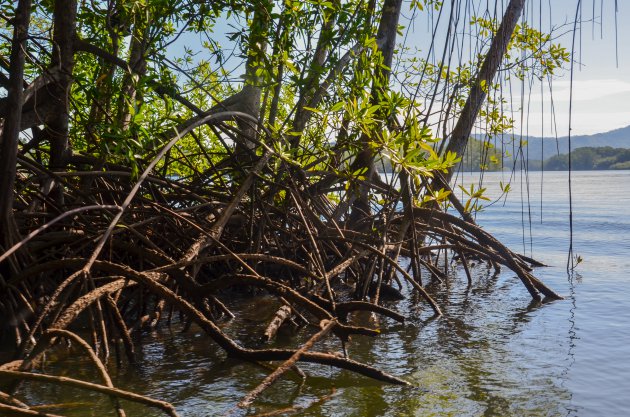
x: 493, y: 353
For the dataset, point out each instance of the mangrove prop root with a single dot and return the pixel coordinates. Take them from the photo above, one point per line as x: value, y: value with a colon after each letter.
x: 131, y: 256
x: 326, y: 327
x: 279, y: 318
x: 95, y: 360
x: 62, y: 380
x: 10, y: 411
x: 123, y: 331
x: 11, y: 400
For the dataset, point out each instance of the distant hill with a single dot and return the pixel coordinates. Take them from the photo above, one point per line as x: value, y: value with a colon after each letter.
x: 618, y: 138
x: 588, y: 158
x: 555, y: 152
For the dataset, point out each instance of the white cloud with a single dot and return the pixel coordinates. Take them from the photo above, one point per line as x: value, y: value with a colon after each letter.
x: 582, y: 123
x: 583, y: 90
x: 588, y: 90
x: 598, y: 106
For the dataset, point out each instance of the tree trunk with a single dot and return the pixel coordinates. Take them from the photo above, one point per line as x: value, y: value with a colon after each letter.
x: 386, y: 39
x: 312, y: 81
x: 56, y: 127
x: 137, y: 68
x: 250, y: 95
x: 63, y: 57
x: 11, y: 128
x: 461, y: 132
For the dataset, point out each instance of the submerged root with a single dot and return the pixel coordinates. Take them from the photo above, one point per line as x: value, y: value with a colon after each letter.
x: 130, y: 257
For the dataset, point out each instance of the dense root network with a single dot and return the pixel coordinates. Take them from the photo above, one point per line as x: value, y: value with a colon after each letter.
x: 124, y: 252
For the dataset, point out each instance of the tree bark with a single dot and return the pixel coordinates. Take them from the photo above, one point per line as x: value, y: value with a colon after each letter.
x: 313, y: 76
x: 250, y: 95
x: 65, y: 17
x: 478, y: 92
x: 137, y: 66
x: 11, y: 128
x: 386, y: 39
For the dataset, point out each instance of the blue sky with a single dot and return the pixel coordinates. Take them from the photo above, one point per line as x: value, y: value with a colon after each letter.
x: 601, y: 88
x: 601, y: 84
x: 601, y: 81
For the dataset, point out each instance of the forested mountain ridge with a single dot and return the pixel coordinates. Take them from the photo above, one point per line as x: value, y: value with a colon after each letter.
x: 607, y: 150
x: 537, y: 148
x: 589, y: 158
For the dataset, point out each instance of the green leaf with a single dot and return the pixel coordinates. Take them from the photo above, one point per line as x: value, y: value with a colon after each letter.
x: 313, y: 110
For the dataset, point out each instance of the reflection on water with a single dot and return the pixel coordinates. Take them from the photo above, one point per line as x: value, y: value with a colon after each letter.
x: 493, y: 353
